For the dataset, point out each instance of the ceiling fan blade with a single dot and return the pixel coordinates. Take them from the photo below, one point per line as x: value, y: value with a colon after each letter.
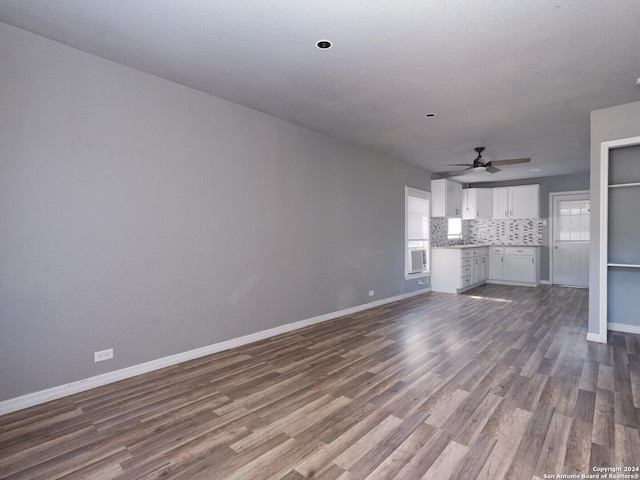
x: 492, y: 169
x: 510, y: 161
x: 451, y: 174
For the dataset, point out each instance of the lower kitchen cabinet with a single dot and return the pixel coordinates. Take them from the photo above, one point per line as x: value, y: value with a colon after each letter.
x: 455, y: 270
x: 481, y: 267
x: 496, y: 263
x: 514, y: 266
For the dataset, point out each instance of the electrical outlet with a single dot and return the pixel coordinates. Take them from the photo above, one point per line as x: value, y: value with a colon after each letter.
x: 371, y: 293
x: 103, y: 355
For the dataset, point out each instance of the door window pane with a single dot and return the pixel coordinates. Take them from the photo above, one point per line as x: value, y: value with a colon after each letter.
x: 574, y: 220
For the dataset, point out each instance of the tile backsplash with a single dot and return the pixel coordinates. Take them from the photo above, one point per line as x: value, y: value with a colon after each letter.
x: 495, y: 232
x: 507, y: 232
x: 439, y: 228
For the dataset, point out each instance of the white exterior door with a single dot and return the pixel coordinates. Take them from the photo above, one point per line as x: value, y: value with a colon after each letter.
x: 571, y: 213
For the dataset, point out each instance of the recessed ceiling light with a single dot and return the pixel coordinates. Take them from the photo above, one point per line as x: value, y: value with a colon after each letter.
x: 430, y: 115
x: 536, y: 170
x: 323, y: 44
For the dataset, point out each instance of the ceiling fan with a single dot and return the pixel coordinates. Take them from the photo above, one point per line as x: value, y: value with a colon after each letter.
x: 479, y: 165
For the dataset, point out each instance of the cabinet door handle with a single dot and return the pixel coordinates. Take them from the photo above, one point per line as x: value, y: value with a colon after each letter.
x: 506, y: 214
x: 532, y: 260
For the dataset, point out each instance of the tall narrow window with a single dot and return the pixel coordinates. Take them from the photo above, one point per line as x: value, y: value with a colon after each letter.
x: 416, y: 232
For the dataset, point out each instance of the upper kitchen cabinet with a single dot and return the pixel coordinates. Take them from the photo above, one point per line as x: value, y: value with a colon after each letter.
x: 521, y: 201
x: 446, y: 198
x: 476, y: 203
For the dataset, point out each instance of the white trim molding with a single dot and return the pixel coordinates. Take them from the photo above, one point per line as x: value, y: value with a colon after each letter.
x: 623, y: 327
x: 37, y: 398
x: 596, y: 337
x: 605, y: 148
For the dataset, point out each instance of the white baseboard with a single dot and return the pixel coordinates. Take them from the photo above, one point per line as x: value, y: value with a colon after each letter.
x: 596, y: 337
x: 513, y: 284
x: 36, y: 398
x: 614, y: 327
x: 545, y: 282
x: 623, y: 327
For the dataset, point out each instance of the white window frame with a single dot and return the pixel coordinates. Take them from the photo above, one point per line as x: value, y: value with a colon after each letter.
x: 415, y: 192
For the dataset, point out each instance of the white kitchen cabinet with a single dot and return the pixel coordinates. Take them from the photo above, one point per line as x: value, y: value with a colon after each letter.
x: 500, y: 203
x: 446, y: 198
x: 519, y: 269
x: 476, y: 203
x: 496, y: 263
x: 521, y: 201
x: 515, y: 266
x: 455, y: 270
x: 525, y: 201
x: 480, y: 263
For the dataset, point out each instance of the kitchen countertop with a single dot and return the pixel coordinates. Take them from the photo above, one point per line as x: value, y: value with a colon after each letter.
x: 477, y: 245
x: 473, y: 245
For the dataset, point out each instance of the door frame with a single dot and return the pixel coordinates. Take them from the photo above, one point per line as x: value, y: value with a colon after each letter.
x: 552, y: 196
x: 603, y: 265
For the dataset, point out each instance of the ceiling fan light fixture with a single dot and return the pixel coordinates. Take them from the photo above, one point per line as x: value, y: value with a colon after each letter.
x: 480, y: 168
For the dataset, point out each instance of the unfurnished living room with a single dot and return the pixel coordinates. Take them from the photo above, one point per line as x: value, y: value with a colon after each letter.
x: 319, y: 240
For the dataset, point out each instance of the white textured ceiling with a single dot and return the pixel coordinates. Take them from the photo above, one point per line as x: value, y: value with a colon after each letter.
x: 518, y: 77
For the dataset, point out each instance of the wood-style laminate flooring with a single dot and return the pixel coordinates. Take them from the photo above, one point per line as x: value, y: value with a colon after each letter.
x: 496, y: 383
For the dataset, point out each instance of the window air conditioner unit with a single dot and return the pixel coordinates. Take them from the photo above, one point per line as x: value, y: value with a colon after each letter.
x: 418, y: 260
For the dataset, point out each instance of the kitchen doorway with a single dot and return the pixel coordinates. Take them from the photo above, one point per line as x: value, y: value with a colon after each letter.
x: 570, y: 222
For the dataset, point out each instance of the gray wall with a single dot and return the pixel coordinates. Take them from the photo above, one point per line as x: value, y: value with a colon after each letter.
x: 561, y: 183
x: 607, y: 124
x: 140, y: 215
